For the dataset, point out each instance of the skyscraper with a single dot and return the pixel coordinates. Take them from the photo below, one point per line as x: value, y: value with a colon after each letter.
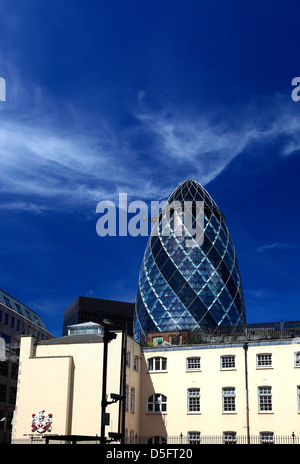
x: 189, y: 285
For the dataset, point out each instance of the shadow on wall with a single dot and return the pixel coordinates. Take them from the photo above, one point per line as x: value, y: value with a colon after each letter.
x: 154, y: 404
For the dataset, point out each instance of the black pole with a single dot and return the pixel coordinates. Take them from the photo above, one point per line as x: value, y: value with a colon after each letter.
x: 121, y: 428
x: 104, y: 373
x: 245, y: 346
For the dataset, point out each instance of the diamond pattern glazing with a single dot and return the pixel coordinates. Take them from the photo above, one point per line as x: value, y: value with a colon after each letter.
x: 183, y: 287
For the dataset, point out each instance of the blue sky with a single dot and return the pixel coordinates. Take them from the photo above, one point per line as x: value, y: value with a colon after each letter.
x: 104, y: 97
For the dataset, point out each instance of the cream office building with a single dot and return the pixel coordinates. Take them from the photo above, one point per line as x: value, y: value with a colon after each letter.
x: 174, y: 394
x: 201, y: 391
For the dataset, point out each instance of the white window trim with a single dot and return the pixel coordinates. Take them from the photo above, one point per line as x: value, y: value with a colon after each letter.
x: 160, y: 402
x: 297, y: 359
x: 193, y: 369
x: 196, y: 396
x: 267, y: 411
x: 161, y: 358
x: 192, y: 439
x: 267, y: 366
x: 230, y: 368
x: 224, y: 389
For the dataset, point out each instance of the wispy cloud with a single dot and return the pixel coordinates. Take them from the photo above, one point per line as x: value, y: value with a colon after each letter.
x: 276, y: 246
x: 46, y: 163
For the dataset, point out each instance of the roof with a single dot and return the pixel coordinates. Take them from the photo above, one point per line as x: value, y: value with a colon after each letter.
x: 73, y: 339
x: 19, y: 307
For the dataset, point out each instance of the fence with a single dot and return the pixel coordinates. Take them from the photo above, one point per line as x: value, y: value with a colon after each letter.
x: 227, y: 438
x: 230, y: 334
x: 195, y: 439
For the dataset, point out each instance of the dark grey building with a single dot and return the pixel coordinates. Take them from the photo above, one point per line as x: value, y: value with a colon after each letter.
x: 87, y: 309
x: 16, y: 319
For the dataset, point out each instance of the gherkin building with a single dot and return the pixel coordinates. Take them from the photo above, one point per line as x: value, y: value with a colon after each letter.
x: 185, y: 281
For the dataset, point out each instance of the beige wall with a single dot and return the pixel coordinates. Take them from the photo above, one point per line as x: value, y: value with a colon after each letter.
x: 66, y: 381
x: 133, y: 376
x: 283, y: 377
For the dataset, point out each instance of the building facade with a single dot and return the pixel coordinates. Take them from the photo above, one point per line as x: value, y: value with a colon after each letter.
x: 16, y: 319
x: 85, y: 309
x: 185, y: 283
x: 70, y: 374
x: 238, y: 392
x: 201, y: 391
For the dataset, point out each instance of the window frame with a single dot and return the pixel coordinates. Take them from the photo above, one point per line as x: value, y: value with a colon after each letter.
x: 263, y: 399
x: 225, y: 359
x: 157, y: 361
x: 189, y: 367
x: 191, y: 401
x: 160, y: 400
x: 132, y: 399
x: 265, y: 364
x: 229, y: 437
x: 156, y: 440
x: 297, y: 359
x: 228, y: 400
x: 266, y: 438
x: 194, y: 437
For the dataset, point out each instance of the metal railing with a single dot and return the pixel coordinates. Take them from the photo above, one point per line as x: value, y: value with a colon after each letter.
x: 229, y: 334
x: 179, y: 440
x: 215, y: 440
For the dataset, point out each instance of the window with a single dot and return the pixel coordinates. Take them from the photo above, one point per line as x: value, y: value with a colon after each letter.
x: 12, y: 395
x: 264, y: 399
x: 4, y: 368
x: 228, y: 399
x: 126, y: 398
x: 128, y: 358
x: 136, y: 363
x: 229, y: 438
x: 266, y: 437
x: 157, y: 364
x: 7, y: 302
x: 298, y: 397
x: 297, y: 359
x: 156, y: 441
x: 28, y: 315
x: 264, y: 360
x: 227, y: 362
x: 132, y: 399
x: 157, y: 403
x: 193, y: 364
x: 18, y: 308
x: 3, y: 390
x: 14, y: 370
x: 131, y: 436
x: 194, y: 438
x: 193, y: 400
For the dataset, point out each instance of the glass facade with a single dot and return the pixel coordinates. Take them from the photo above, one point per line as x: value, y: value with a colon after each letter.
x: 189, y: 286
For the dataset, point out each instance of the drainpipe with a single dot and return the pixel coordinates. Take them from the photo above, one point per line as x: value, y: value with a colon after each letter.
x: 121, y: 425
x: 245, y: 346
